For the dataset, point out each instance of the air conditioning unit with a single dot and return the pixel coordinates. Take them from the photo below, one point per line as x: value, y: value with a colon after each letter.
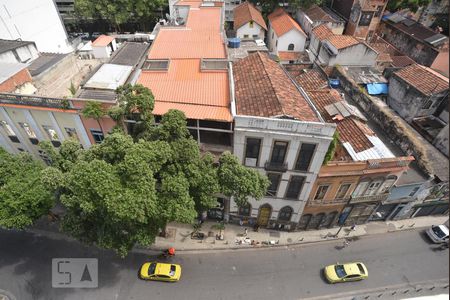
x: 250, y: 162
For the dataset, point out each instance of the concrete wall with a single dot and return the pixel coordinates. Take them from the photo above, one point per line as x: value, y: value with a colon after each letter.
x: 34, y: 20
x: 295, y: 133
x: 15, y: 81
x: 358, y: 55
x: 421, y: 53
x: 408, y: 102
x: 442, y: 140
x: 440, y: 63
x: 246, y: 30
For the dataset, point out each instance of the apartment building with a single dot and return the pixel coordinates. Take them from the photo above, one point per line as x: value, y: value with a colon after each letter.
x: 278, y: 132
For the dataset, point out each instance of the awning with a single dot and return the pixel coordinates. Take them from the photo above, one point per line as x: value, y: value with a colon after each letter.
x: 377, y: 88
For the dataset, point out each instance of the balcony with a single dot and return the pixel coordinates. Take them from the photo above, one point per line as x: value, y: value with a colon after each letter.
x: 328, y: 202
x: 275, y: 166
x: 6, y: 98
x: 369, y: 198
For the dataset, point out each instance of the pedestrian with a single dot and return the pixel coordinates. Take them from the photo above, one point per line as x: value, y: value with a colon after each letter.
x: 241, y: 222
x: 245, y: 231
x: 353, y: 228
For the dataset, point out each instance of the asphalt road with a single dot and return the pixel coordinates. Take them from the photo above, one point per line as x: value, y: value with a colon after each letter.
x: 286, y: 273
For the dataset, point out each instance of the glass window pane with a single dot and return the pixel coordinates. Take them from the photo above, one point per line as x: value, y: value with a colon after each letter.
x: 274, y: 179
x: 252, y: 148
x: 294, y: 187
x: 305, y: 157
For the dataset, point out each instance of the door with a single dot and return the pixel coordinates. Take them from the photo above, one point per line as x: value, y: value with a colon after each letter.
x: 316, y: 221
x: 264, y: 215
x: 352, y: 277
x: 304, y: 220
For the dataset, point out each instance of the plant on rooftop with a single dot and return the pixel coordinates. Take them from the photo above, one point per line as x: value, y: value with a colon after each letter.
x: 94, y: 110
x: 331, y: 148
x: 72, y: 89
x: 412, y: 5
x: 25, y: 192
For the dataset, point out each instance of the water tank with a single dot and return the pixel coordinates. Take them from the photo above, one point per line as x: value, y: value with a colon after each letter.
x: 234, y: 42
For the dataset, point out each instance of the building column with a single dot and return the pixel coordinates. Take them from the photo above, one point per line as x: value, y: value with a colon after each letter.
x: 5, y: 144
x: 10, y: 122
x: 82, y: 130
x: 56, y: 126
x: 34, y: 125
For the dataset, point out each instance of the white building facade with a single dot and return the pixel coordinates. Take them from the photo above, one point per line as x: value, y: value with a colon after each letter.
x: 250, y: 30
x: 290, y: 153
x: 34, y: 20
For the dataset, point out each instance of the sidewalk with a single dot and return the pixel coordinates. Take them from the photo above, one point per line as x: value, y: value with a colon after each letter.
x: 179, y: 234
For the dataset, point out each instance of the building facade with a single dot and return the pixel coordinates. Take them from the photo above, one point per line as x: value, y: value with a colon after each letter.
x: 285, y: 37
x: 248, y: 22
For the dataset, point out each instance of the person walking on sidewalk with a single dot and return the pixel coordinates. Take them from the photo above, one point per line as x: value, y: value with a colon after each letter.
x: 245, y: 231
x: 353, y: 228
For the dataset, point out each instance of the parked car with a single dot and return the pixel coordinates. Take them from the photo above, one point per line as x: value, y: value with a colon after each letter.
x: 160, y: 272
x: 438, y: 234
x: 346, y: 272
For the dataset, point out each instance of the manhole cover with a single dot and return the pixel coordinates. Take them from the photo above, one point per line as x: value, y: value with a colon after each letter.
x: 274, y: 234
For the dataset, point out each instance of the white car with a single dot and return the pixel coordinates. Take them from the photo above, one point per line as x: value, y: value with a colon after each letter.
x: 438, y: 234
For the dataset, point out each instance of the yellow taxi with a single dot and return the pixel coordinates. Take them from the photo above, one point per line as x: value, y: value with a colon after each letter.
x: 346, y: 272
x: 160, y: 271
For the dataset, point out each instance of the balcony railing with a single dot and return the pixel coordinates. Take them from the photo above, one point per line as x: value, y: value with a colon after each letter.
x: 275, y: 166
x: 369, y: 198
x: 6, y: 98
x: 328, y: 202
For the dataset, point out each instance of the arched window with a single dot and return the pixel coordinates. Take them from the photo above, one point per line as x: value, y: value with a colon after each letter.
x: 285, y: 214
x: 291, y: 47
x: 245, y: 210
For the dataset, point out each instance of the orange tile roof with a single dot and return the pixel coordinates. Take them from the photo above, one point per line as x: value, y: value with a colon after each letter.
x: 199, y: 94
x: 103, y: 41
x: 288, y: 55
x: 311, y: 80
x: 342, y: 41
x: 263, y: 89
x: 401, y: 61
x: 316, y: 13
x: 322, y: 32
x: 281, y: 22
x: 423, y: 79
x: 245, y: 13
x: 200, y: 38
x: 351, y: 130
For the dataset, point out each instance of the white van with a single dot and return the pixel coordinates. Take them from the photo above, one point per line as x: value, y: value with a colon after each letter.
x: 438, y: 233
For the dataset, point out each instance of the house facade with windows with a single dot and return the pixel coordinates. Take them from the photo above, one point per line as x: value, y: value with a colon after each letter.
x: 362, y: 16
x: 315, y: 16
x: 278, y: 132
x: 358, y: 177
x: 285, y: 37
x: 329, y: 49
x: 248, y: 22
x: 416, y: 91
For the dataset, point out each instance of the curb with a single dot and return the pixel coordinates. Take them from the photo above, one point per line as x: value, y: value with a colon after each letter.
x: 249, y: 247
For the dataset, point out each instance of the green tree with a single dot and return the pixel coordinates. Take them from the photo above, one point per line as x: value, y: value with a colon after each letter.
x: 239, y: 182
x: 25, y: 194
x: 412, y: 5
x: 123, y: 191
x: 94, y: 110
x: 136, y: 102
x: 116, y: 12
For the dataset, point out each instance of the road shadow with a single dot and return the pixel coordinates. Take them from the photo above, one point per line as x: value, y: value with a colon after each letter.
x: 30, y: 257
x: 425, y: 237
x: 322, y: 275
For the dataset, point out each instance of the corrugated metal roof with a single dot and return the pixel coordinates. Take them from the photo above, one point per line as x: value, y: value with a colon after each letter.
x: 109, y: 77
x: 379, y: 150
